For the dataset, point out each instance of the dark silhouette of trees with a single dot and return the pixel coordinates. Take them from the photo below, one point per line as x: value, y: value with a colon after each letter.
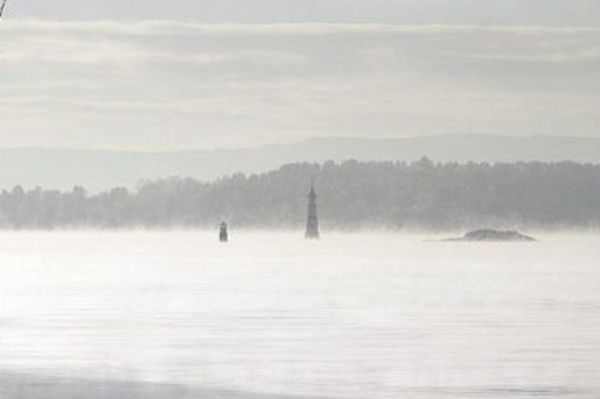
x: 351, y: 195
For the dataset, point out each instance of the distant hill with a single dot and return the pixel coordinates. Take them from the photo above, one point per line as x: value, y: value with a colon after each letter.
x: 99, y: 170
x: 351, y: 195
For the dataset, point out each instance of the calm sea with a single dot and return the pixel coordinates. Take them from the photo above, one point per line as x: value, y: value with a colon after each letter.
x: 369, y: 315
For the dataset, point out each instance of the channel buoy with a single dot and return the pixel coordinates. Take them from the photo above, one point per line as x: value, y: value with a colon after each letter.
x: 223, y: 233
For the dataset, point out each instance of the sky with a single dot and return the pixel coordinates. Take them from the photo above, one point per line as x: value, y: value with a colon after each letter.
x: 195, y: 74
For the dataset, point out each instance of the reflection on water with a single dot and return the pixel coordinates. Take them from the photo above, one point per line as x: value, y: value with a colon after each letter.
x: 354, y: 316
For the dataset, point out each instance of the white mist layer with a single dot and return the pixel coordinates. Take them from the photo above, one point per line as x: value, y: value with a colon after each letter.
x: 358, y: 315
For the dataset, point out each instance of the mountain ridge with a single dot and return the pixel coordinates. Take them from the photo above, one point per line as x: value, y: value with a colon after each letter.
x: 100, y: 169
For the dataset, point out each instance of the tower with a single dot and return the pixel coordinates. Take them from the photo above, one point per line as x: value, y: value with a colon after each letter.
x: 312, y: 222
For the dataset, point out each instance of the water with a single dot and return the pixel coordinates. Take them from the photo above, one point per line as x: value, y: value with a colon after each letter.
x: 349, y: 316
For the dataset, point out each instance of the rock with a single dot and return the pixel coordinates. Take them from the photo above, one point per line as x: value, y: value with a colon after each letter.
x: 494, y: 235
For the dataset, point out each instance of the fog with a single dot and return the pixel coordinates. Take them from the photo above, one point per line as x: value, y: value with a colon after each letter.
x: 352, y: 315
x: 301, y: 199
x: 23, y: 386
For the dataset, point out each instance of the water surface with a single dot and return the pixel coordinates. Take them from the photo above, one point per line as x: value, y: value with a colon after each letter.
x: 349, y: 316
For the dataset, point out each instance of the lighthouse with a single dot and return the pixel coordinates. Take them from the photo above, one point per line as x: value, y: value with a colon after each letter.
x: 312, y: 222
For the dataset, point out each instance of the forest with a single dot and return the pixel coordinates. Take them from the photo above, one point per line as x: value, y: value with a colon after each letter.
x: 351, y: 195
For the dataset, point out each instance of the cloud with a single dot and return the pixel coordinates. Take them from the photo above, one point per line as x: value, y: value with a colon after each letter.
x: 66, y: 83
x: 557, y: 57
x: 405, y: 12
x: 174, y: 28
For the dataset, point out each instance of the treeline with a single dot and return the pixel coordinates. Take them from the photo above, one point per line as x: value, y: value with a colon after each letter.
x: 351, y: 195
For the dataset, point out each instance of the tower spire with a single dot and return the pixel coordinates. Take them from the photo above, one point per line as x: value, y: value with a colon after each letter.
x: 312, y: 221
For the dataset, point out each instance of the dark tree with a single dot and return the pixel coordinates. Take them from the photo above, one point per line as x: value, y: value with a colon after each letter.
x: 351, y: 195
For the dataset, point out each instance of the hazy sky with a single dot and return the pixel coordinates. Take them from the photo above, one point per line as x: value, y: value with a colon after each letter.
x: 200, y: 74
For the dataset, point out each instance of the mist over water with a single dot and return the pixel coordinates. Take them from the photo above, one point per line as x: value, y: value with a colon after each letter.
x: 365, y: 315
